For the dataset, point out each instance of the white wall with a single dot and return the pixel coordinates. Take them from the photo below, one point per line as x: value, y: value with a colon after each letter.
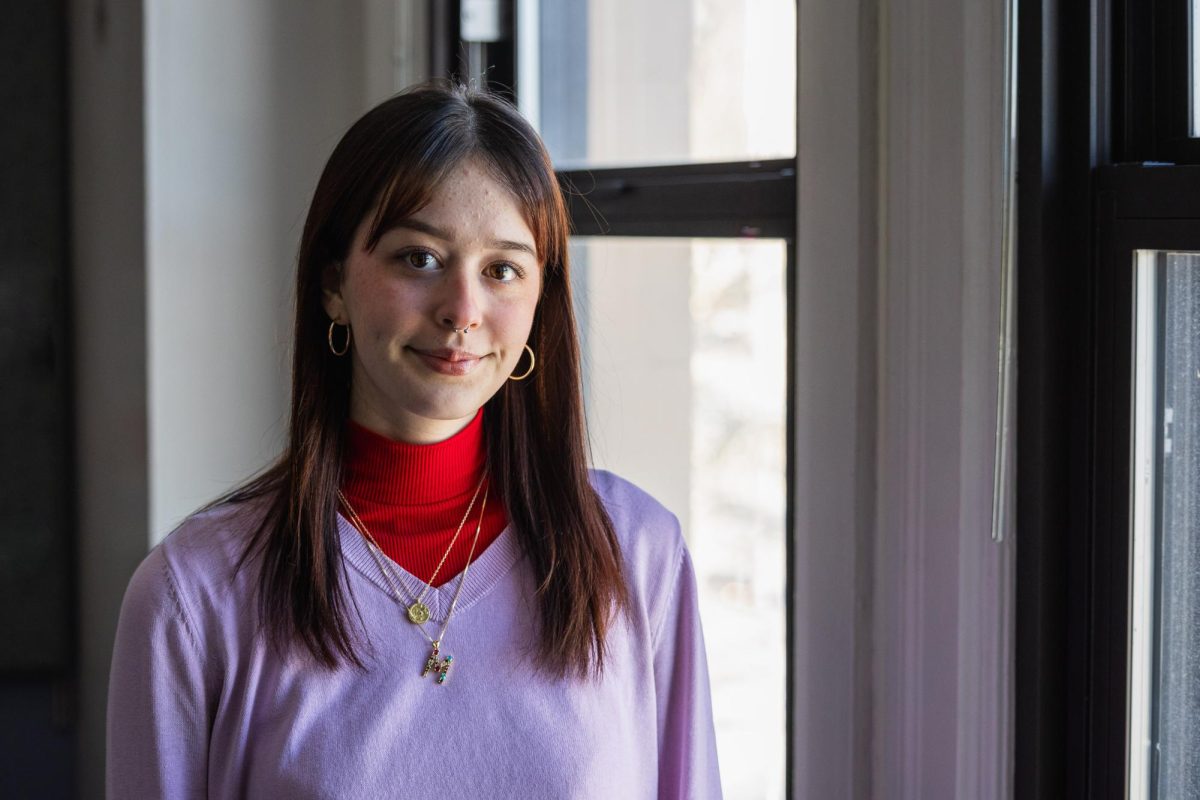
x: 944, y: 592
x: 190, y: 188
x: 835, y: 402
x: 903, y: 604
x: 244, y: 101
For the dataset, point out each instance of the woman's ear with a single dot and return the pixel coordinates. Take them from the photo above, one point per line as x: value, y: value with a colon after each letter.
x: 331, y: 292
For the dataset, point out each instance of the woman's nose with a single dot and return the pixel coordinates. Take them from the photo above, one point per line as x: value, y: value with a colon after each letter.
x: 459, y: 302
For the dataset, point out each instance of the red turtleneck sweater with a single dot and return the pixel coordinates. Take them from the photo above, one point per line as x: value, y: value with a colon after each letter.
x: 411, y: 497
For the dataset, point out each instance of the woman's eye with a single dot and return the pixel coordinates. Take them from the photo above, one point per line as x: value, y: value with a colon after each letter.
x: 504, y: 272
x: 421, y: 259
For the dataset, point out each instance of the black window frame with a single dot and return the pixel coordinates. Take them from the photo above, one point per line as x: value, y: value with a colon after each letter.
x: 753, y: 199
x: 1137, y: 208
x: 1152, y: 88
x: 1097, y: 120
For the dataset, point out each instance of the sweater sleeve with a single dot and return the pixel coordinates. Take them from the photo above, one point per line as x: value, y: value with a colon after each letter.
x: 687, y: 747
x: 159, y: 701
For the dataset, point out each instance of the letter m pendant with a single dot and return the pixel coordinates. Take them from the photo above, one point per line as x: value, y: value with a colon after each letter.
x: 439, y: 666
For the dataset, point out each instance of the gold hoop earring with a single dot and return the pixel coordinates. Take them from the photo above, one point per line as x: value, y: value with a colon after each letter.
x: 333, y: 349
x: 532, y: 362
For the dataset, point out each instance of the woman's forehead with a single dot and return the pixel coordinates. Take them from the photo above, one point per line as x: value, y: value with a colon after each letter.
x: 469, y: 201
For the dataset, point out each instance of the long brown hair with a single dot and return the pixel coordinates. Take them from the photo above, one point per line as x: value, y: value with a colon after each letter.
x: 389, y: 163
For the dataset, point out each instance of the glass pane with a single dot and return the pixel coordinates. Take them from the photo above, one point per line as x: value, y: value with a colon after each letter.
x: 1167, y: 525
x: 1177, y: 695
x: 624, y: 82
x: 1194, y: 61
x: 685, y: 361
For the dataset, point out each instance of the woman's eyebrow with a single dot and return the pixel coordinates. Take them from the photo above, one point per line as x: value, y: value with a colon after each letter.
x: 438, y: 233
x: 422, y: 227
x: 506, y: 244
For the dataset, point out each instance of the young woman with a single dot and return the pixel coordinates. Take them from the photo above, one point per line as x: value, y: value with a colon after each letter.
x: 429, y: 594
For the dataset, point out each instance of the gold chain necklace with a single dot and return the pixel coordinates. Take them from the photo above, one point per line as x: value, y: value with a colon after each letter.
x: 418, y: 612
x: 436, y: 662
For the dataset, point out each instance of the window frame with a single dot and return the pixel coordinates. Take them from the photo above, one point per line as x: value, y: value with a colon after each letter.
x: 1093, y: 100
x: 1137, y: 208
x: 1152, y: 99
x: 744, y: 199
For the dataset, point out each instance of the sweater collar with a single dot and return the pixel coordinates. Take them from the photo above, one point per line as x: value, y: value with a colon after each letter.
x: 483, y: 573
x: 381, y: 470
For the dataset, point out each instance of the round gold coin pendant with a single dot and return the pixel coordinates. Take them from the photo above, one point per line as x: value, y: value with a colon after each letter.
x: 418, y: 612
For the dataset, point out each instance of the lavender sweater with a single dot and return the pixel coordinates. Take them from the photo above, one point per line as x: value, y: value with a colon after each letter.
x: 199, y: 706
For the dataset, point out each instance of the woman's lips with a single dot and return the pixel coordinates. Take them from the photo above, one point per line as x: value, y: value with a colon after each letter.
x: 449, y: 362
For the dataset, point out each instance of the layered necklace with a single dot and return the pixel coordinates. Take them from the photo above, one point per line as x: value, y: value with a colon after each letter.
x: 418, y: 612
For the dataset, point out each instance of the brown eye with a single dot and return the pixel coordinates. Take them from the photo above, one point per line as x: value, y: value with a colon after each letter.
x: 421, y: 259
x: 504, y: 272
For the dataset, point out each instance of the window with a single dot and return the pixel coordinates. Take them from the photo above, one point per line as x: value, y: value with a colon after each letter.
x: 684, y: 350
x: 625, y: 83
x: 1131, y: 604
x: 675, y: 124
x: 1164, y: 717
x: 1109, y: 229
x: 682, y: 260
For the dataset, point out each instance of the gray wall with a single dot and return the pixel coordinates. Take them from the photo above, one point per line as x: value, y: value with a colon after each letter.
x: 109, y: 310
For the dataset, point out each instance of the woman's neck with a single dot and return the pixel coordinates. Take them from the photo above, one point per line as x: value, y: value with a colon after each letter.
x: 390, y: 472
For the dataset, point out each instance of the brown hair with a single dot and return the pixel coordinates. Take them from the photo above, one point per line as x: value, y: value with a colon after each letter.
x: 389, y: 163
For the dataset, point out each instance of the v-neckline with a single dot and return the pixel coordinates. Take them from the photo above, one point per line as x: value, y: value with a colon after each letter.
x: 483, y: 574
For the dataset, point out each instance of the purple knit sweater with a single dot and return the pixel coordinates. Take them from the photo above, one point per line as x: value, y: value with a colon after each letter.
x: 200, y: 706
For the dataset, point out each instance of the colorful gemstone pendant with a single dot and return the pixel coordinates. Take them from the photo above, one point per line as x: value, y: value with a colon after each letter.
x: 439, y: 665
x: 418, y: 613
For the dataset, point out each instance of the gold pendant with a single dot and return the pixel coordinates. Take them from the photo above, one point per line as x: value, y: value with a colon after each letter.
x: 418, y: 612
x: 439, y: 665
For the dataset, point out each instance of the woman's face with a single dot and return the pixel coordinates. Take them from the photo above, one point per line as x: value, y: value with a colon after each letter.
x: 465, y: 260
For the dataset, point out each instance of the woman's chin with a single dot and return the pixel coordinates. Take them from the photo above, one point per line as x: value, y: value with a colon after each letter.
x: 448, y: 406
